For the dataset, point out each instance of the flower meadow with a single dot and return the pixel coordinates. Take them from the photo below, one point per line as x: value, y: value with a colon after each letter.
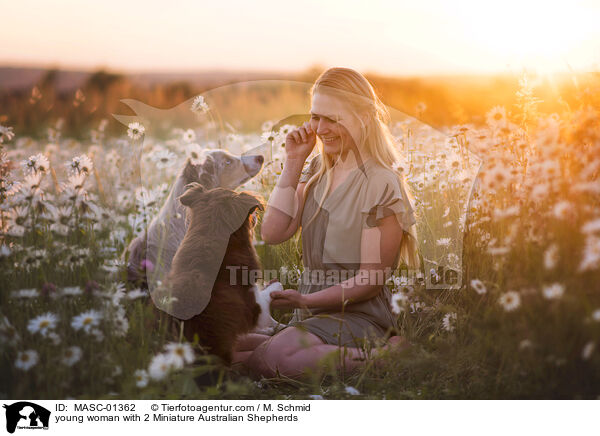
x: 511, y: 203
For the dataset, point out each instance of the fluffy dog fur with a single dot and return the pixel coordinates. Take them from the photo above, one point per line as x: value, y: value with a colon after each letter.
x: 234, y: 308
x: 167, y: 229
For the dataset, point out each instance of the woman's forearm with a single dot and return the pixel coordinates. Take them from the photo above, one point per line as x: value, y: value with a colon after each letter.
x: 353, y: 290
x: 282, y: 206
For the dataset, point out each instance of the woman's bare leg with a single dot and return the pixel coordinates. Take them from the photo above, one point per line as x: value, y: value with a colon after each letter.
x: 244, y: 346
x: 292, y: 351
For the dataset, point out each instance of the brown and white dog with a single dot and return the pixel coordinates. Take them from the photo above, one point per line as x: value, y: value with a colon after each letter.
x: 205, y: 286
x: 157, y: 246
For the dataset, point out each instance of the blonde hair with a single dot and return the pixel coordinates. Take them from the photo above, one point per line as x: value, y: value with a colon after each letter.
x: 356, y: 91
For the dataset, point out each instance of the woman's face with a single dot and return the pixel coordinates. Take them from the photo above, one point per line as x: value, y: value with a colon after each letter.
x: 335, y: 125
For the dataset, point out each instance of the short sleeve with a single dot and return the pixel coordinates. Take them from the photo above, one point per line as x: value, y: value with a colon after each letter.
x: 310, y: 169
x: 386, y: 196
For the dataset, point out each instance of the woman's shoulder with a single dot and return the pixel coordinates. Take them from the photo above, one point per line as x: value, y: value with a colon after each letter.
x: 378, y: 176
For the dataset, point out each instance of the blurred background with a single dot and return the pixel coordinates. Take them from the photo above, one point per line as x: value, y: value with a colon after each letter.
x: 445, y: 63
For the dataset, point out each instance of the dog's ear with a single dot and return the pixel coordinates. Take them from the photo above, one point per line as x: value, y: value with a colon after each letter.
x: 238, y: 209
x: 192, y: 192
x: 191, y: 172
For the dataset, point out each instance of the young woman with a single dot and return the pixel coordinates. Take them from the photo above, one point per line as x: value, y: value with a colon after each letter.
x: 357, y: 224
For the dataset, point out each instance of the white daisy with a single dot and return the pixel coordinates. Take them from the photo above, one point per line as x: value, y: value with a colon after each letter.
x: 443, y: 242
x: 199, y: 105
x: 551, y: 256
x: 26, y: 359
x: 496, y: 117
x: 587, y: 351
x: 525, y: 344
x: 449, y: 321
x: 188, y: 136
x: 71, y: 291
x: 510, y: 300
x: 194, y: 153
x: 553, y: 291
x: 80, y: 164
x: 43, y: 323
x: 596, y: 315
x: 86, y: 320
x: 141, y: 378
x: 591, y: 226
x: 591, y: 254
x: 163, y: 158
x: 399, y: 299
x: 562, y: 209
x: 160, y: 366
x: 351, y: 390
x: 478, y: 286
x: 135, y: 131
x: 35, y: 164
x: 6, y: 133
x: 25, y: 293
x: 71, y: 356
x: 180, y: 353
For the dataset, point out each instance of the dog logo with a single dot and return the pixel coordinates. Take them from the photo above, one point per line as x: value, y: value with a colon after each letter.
x: 26, y: 415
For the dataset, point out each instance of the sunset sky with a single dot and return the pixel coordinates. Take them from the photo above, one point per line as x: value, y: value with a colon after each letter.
x: 402, y: 38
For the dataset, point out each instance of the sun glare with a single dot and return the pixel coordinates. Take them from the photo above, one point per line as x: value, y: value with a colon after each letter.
x: 530, y: 34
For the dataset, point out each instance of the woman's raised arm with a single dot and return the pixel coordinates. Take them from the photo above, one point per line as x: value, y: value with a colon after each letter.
x: 284, y: 209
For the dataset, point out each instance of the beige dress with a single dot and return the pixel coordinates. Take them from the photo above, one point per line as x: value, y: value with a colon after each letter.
x: 331, y: 248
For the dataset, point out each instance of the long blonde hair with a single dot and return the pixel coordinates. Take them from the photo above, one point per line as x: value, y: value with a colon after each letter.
x: 356, y: 91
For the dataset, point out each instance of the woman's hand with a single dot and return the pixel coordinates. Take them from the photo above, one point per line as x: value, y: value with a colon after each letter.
x: 287, y: 299
x: 300, y: 142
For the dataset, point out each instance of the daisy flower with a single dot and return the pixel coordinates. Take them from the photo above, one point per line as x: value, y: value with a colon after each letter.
x: 163, y: 159
x: 80, y: 164
x: 180, y: 353
x: 199, y: 105
x: 551, y: 256
x: 351, y: 390
x: 35, y: 164
x: 591, y: 254
x: 510, y: 300
x: 141, y: 378
x: 496, y: 117
x: 553, y: 291
x: 399, y: 299
x: 25, y: 293
x: 6, y: 134
x: 525, y: 344
x: 587, y: 351
x: 71, y: 291
x: 449, y: 321
x: 478, y: 286
x: 42, y: 323
x: 562, y: 209
x: 160, y: 366
x: 135, y: 131
x: 26, y: 360
x: 194, y: 153
x: 86, y: 320
x: 591, y: 226
x: 596, y: 315
x: 443, y: 242
x: 188, y: 136
x: 71, y: 356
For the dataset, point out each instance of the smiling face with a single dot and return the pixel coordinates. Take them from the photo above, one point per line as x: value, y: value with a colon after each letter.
x: 337, y: 127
